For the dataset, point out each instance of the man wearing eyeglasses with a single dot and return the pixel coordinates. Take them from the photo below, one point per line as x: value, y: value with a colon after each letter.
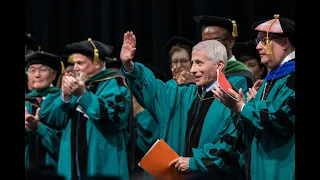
x: 42, y: 142
x: 30, y: 46
x: 226, y: 30
x: 269, y: 118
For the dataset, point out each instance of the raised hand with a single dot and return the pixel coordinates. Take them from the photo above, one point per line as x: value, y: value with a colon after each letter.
x: 66, y: 92
x: 182, y: 76
x: 257, y: 84
x: 74, y: 85
x: 251, y: 94
x: 232, y: 104
x: 128, y: 49
x: 31, y: 121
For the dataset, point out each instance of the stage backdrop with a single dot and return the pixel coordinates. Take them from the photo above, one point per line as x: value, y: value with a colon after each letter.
x: 55, y: 23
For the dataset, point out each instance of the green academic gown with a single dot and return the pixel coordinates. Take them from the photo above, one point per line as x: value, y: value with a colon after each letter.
x: 239, y: 75
x: 271, y: 122
x: 95, y: 136
x: 148, y: 127
x: 42, y: 146
x: 147, y: 130
x: 170, y: 104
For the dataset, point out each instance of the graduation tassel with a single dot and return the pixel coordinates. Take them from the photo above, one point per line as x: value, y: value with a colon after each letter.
x: 95, y: 53
x: 234, y: 28
x: 70, y: 60
x: 268, y: 50
x: 111, y: 59
x: 63, y: 69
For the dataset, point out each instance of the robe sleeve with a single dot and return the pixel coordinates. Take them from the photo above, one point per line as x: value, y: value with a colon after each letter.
x: 223, y: 154
x: 277, y: 114
x: 54, y: 111
x: 157, y: 97
x: 48, y: 137
x: 147, y: 129
x: 112, y: 105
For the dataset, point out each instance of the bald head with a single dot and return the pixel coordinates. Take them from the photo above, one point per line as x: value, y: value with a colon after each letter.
x: 221, y: 34
x: 214, y: 32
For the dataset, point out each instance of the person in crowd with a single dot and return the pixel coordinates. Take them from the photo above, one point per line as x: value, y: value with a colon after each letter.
x: 269, y: 118
x: 95, y: 103
x: 42, y: 142
x: 189, y: 117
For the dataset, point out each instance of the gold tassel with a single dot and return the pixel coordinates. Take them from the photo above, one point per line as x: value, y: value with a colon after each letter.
x: 39, y: 48
x: 63, y: 69
x: 70, y: 60
x: 276, y: 16
x: 96, y: 57
x: 111, y: 59
x: 268, y: 50
x: 29, y: 35
x: 234, y: 29
x: 95, y: 53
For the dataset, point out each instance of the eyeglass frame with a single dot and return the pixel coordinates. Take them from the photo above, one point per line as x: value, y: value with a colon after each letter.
x: 263, y: 41
x: 42, y: 70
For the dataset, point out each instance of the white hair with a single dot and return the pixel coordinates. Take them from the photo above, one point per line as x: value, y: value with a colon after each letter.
x: 215, y: 50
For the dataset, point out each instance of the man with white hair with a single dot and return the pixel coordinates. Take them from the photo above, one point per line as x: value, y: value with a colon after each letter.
x: 189, y: 116
x: 95, y: 104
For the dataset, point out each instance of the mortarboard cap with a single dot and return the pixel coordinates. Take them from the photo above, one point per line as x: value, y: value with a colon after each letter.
x: 67, y: 59
x: 117, y: 63
x: 277, y: 25
x: 31, y: 43
x: 228, y: 24
x: 91, y: 48
x: 178, y: 40
x: 48, y: 59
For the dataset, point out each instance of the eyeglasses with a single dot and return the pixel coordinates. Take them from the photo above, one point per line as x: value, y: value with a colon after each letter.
x: 181, y: 61
x: 41, y: 70
x: 264, y: 40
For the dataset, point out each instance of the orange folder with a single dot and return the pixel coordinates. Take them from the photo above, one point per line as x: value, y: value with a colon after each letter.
x: 224, y: 84
x: 156, y: 161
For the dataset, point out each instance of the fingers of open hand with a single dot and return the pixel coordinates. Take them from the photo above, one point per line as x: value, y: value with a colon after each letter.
x: 126, y: 38
x: 177, y: 165
x: 133, y: 40
x: 253, y: 92
x: 248, y: 96
x: 70, y: 83
x: 37, y: 116
x: 29, y: 118
x: 26, y: 111
x: 129, y: 39
x: 257, y: 84
x: 27, y: 125
x: 217, y: 92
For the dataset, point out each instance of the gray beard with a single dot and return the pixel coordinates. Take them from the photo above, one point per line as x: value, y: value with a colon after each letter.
x: 77, y: 76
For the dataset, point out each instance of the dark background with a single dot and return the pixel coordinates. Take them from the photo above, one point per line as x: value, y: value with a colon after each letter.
x: 55, y: 23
